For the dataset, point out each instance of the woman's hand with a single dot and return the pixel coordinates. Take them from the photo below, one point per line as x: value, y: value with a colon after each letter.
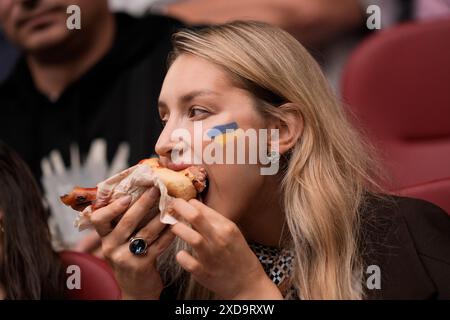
x: 91, y: 244
x: 222, y: 261
x: 137, y: 275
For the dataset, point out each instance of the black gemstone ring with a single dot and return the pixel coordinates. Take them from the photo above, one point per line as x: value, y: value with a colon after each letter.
x: 138, y: 246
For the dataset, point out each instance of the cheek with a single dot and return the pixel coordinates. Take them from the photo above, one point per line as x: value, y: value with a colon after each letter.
x: 90, y: 11
x: 5, y: 7
x: 6, y: 15
x: 233, y: 189
x: 84, y: 5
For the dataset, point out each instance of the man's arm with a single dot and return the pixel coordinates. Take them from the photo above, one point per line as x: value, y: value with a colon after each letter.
x: 312, y: 22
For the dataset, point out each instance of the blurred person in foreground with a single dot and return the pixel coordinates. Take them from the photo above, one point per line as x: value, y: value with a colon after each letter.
x: 29, y: 268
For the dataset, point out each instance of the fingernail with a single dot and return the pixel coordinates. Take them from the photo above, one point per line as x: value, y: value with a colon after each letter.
x: 125, y: 200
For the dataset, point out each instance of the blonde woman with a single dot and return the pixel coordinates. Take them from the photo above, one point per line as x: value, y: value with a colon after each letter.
x: 319, y: 228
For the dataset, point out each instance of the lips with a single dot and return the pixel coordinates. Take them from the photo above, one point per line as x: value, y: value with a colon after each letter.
x: 177, y: 166
x: 204, y: 193
x: 35, y: 19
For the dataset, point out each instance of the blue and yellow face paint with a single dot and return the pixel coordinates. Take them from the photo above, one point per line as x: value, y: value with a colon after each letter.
x: 221, y: 133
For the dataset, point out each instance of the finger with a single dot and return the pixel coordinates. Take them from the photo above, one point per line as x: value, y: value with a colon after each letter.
x: 217, y: 221
x: 98, y: 253
x: 207, y: 211
x: 193, y: 216
x: 192, y: 237
x: 122, y: 256
x: 102, y: 218
x: 189, y: 263
x: 223, y: 230
x: 151, y: 230
x: 89, y: 243
x: 160, y: 244
x: 131, y: 219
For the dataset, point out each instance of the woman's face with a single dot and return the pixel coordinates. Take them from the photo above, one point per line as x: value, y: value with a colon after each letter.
x: 197, y: 91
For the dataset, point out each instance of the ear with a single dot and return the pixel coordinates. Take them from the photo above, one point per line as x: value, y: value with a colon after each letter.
x: 290, y: 126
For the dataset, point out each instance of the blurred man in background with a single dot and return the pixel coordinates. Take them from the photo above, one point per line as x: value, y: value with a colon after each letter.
x: 72, y: 87
x: 330, y: 29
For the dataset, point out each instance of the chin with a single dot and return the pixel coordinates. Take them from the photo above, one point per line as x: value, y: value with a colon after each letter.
x: 216, y: 201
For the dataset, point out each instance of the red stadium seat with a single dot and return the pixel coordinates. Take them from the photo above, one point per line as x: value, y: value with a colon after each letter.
x: 437, y: 192
x: 97, y: 279
x: 397, y: 84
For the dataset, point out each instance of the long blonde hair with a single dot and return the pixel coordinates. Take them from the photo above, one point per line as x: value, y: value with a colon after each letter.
x: 329, y: 171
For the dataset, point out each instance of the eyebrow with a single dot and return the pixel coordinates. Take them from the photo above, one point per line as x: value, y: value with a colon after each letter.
x: 190, y: 96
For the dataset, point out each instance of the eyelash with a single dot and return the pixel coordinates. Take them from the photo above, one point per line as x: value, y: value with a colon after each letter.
x: 190, y: 115
x: 193, y: 109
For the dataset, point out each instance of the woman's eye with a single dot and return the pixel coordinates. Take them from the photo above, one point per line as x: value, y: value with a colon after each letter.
x: 163, y: 122
x: 196, y: 112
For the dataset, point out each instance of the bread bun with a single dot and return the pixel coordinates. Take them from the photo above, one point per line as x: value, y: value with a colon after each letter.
x: 178, y: 184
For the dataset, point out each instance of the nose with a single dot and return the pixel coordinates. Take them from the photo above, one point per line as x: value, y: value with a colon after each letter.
x: 174, y: 143
x: 165, y: 145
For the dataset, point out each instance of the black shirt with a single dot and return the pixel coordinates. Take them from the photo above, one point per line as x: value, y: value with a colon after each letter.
x: 115, y: 100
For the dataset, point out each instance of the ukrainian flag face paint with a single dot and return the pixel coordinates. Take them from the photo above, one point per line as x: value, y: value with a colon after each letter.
x: 221, y: 133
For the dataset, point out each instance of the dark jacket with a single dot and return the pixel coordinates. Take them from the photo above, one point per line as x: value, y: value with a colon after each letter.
x: 116, y: 100
x: 409, y: 239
